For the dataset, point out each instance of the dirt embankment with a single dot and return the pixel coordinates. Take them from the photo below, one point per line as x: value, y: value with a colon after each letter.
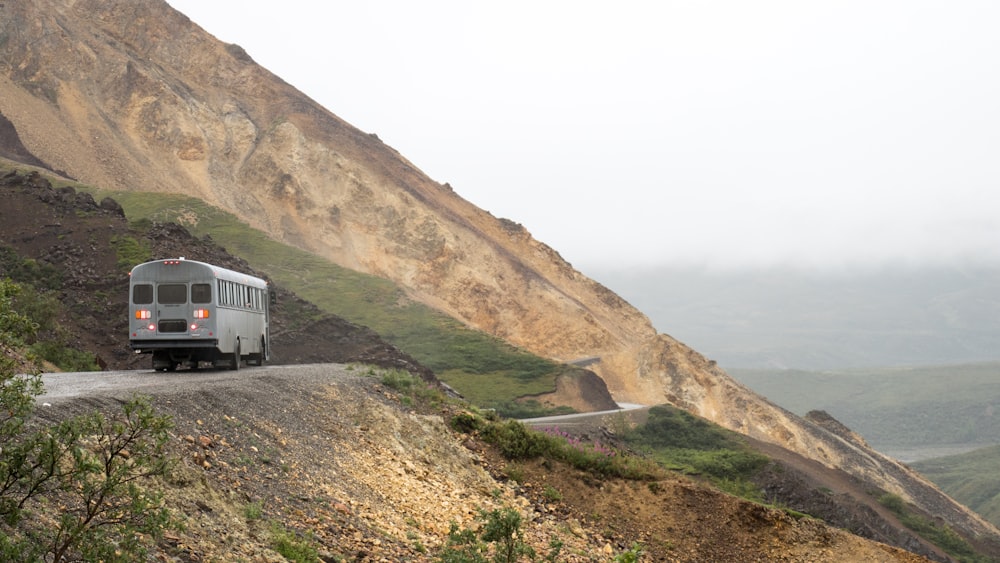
x: 328, y: 453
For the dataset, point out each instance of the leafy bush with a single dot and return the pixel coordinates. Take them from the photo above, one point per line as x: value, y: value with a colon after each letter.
x: 516, y: 441
x: 501, y: 528
x: 64, y: 357
x: 28, y: 271
x: 467, y: 422
x: 71, y: 490
x: 46, y: 340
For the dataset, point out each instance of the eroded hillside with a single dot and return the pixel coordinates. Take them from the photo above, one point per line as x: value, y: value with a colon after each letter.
x: 332, y: 458
x: 134, y: 96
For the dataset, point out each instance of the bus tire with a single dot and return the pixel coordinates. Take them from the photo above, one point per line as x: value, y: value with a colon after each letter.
x: 257, y: 359
x: 235, y: 362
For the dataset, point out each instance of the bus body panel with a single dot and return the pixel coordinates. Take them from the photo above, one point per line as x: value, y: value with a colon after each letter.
x: 185, y: 312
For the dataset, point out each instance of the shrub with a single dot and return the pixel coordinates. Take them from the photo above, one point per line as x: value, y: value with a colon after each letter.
x: 64, y: 357
x: 466, y: 422
x: 291, y: 547
x: 502, y: 529
x: 72, y: 490
x: 515, y: 440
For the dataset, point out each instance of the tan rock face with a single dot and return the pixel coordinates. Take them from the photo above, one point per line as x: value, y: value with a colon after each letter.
x: 134, y: 96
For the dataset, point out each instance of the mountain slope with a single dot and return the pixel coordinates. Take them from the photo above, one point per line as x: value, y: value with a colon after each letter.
x: 133, y: 96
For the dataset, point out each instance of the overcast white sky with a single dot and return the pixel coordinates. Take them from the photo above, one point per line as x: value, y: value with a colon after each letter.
x: 699, y: 132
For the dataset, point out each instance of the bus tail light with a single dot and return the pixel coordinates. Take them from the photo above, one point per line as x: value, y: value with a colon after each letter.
x: 143, y: 314
x: 201, y: 313
x: 151, y: 326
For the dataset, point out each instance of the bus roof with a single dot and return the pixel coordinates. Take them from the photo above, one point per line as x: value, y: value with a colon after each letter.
x: 147, y: 271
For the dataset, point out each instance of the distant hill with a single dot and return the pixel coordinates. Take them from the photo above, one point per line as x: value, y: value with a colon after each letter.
x: 782, y: 318
x: 971, y: 478
x: 895, y: 409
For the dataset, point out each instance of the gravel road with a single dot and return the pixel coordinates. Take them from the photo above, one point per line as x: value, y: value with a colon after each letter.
x: 123, y: 384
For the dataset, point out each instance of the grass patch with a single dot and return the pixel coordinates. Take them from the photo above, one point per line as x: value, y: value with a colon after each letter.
x: 292, y: 547
x: 683, y: 442
x: 517, y: 442
x: 130, y: 251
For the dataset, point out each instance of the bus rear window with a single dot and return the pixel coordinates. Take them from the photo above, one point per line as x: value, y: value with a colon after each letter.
x: 142, y: 294
x: 171, y: 294
x: 201, y: 293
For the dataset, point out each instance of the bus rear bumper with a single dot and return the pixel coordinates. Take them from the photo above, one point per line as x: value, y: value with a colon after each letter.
x: 145, y: 346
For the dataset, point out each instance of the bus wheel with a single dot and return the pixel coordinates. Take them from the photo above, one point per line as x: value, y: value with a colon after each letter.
x: 258, y: 358
x: 161, y: 361
x: 235, y: 364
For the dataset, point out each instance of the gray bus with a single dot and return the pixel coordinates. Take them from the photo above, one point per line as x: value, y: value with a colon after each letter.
x: 184, y: 312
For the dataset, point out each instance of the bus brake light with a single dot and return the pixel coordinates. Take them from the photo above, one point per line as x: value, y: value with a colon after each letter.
x: 143, y: 314
x: 201, y: 313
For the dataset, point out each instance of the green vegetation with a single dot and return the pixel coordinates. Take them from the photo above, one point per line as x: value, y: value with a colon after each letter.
x: 72, y: 490
x: 34, y: 297
x: 517, y: 442
x: 940, y: 535
x: 130, y: 251
x: 412, y: 390
x: 28, y: 271
x: 631, y: 555
x: 292, y: 547
x: 253, y: 510
x: 501, y: 529
x: 486, y: 370
x: 672, y: 439
x: 951, y: 404
x: 970, y: 478
x: 684, y: 442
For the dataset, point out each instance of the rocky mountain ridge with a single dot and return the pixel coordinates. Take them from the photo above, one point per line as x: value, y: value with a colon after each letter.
x: 134, y: 96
